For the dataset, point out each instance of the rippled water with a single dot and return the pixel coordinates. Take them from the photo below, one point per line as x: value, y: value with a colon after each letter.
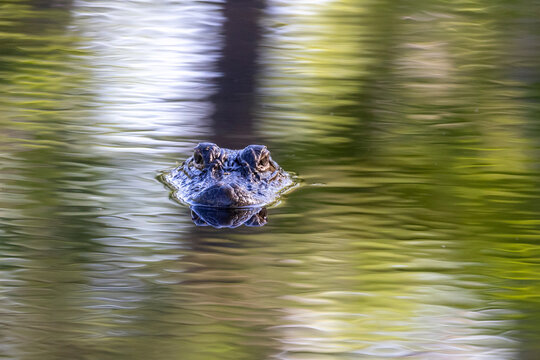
x: 414, y: 129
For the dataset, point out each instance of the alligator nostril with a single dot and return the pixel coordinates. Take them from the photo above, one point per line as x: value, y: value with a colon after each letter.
x: 219, y: 195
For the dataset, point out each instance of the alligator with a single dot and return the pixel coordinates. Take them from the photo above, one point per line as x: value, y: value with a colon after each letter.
x: 220, y: 178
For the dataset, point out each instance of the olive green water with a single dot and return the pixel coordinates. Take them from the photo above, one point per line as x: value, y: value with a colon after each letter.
x: 414, y: 126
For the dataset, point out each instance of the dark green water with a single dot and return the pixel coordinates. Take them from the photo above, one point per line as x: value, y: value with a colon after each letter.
x: 414, y: 126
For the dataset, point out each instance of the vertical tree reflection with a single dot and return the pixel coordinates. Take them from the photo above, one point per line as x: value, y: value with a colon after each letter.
x: 232, y: 119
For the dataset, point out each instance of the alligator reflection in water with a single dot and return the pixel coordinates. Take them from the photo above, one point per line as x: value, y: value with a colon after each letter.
x: 228, y: 218
x: 227, y: 188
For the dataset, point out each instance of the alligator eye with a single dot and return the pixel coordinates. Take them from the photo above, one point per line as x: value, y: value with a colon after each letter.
x: 206, y: 153
x: 198, y: 159
x: 257, y: 157
x: 263, y: 161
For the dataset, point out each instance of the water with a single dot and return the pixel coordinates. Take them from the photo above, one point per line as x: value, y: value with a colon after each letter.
x: 413, y: 126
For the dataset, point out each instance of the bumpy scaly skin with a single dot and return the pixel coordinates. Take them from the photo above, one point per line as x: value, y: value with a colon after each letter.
x: 225, y: 178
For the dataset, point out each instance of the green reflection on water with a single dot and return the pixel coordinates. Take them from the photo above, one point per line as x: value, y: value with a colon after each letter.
x: 415, y: 233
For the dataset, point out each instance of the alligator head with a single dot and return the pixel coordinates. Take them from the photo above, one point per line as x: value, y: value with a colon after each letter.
x: 223, y: 178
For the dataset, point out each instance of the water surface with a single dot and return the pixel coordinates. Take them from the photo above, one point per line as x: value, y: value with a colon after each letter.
x: 414, y: 127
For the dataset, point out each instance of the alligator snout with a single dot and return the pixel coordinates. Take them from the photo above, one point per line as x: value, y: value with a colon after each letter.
x: 223, y: 195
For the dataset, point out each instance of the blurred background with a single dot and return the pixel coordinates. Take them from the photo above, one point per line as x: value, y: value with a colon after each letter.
x: 414, y: 126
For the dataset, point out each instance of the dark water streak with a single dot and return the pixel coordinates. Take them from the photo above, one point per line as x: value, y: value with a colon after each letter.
x: 235, y: 97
